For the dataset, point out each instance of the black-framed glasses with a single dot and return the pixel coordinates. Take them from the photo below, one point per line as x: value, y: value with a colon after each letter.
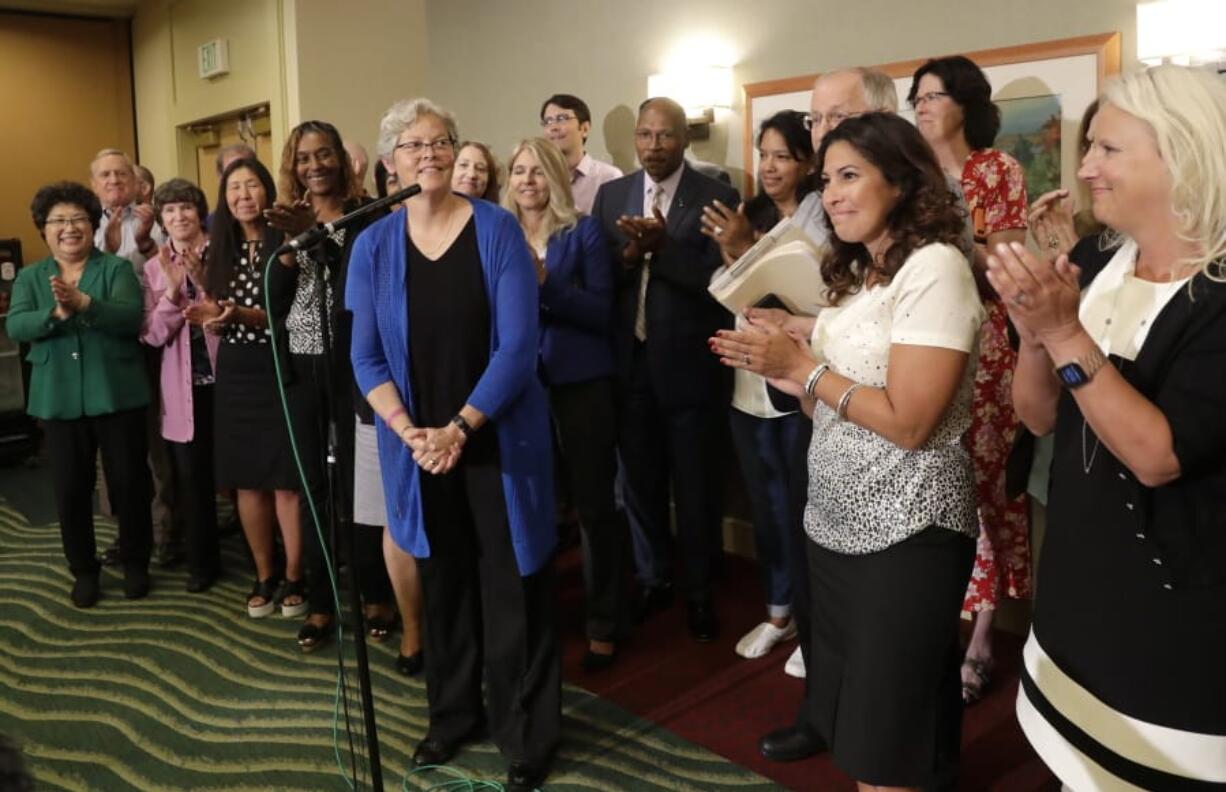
x: 560, y: 118
x: 414, y: 148
x: 924, y: 99
x: 815, y: 119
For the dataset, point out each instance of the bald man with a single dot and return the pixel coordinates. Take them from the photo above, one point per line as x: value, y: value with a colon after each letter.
x: 672, y: 392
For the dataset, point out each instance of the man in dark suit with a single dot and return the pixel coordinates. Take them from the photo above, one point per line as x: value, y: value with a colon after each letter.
x: 673, y: 394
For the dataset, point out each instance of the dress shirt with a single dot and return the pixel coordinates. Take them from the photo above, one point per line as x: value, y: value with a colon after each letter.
x: 586, y: 179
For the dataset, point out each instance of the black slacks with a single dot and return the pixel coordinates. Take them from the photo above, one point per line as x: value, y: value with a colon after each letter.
x: 584, y: 415
x: 195, y: 491
x: 684, y: 446
x: 309, y: 402
x: 483, y: 617
x: 72, y: 446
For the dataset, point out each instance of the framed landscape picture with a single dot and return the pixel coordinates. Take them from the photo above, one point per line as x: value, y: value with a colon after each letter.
x: 1042, y: 90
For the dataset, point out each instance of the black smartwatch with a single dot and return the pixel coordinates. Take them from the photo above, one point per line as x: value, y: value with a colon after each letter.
x: 465, y: 427
x: 1079, y: 371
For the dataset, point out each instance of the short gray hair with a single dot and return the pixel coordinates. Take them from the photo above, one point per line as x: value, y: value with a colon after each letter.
x: 405, y: 114
x: 112, y: 152
x: 879, y: 90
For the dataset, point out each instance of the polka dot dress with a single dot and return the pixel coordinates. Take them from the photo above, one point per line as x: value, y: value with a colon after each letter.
x: 246, y: 288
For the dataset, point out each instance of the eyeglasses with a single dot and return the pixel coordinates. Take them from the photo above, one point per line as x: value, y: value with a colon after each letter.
x: 833, y: 119
x: 924, y: 99
x: 75, y: 220
x: 647, y: 136
x: 414, y: 148
x: 560, y: 118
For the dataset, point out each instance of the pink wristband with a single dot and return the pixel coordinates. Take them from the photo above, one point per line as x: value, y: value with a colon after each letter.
x: 395, y: 413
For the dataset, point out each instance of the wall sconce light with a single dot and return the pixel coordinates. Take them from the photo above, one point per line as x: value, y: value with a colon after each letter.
x: 699, y: 89
x: 1185, y: 32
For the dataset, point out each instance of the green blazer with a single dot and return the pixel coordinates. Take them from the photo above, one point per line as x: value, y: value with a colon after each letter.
x: 91, y: 363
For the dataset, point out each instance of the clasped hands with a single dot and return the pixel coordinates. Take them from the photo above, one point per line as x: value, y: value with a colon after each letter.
x: 1042, y: 297
x: 436, y: 450
x: 643, y: 235
x: 68, y: 298
x: 773, y: 344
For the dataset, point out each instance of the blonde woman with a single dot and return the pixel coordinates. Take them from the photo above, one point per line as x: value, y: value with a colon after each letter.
x: 1122, y: 357
x: 576, y: 281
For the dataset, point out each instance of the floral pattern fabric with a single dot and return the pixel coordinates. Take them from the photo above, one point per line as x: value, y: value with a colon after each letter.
x: 994, y: 187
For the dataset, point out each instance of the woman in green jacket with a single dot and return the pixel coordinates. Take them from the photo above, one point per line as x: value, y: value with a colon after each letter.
x: 80, y: 312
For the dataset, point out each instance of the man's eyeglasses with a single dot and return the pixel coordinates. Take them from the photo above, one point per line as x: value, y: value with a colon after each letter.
x: 414, y: 148
x: 560, y: 118
x: 647, y: 136
x: 75, y: 220
x: 924, y: 99
x: 833, y: 119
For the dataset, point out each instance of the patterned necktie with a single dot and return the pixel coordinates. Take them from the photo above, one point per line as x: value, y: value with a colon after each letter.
x: 640, y: 317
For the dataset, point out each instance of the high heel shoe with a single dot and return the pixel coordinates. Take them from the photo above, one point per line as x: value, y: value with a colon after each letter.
x: 312, y: 635
x: 410, y: 665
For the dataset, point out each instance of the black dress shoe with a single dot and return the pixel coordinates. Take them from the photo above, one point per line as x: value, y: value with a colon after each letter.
x: 135, y: 582
x: 652, y: 599
x: 594, y: 661
x: 703, y: 623
x: 790, y: 744
x: 85, y: 591
x: 198, y: 584
x: 525, y: 776
x: 410, y: 665
x: 433, y: 752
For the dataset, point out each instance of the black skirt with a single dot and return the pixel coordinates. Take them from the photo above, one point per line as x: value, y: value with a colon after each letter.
x: 884, y: 671
x: 252, y: 444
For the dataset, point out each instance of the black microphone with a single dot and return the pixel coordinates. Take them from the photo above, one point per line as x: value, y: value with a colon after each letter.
x: 311, y: 237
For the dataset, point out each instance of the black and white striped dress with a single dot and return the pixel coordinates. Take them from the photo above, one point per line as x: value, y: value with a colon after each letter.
x: 1124, y: 675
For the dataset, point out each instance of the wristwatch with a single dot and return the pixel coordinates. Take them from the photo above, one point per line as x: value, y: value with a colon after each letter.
x: 1081, y: 370
x: 463, y: 425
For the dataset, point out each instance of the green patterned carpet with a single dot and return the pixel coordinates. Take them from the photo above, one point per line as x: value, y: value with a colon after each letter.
x: 180, y: 692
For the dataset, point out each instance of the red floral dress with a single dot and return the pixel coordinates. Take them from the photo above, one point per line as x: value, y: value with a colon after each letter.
x: 994, y: 187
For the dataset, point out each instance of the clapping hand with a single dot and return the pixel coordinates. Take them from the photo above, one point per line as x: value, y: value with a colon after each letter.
x: 1051, y: 223
x: 68, y: 298
x: 729, y: 229
x: 644, y: 235
x: 292, y: 219
x: 144, y: 224
x: 217, y: 323
x: 1042, y: 297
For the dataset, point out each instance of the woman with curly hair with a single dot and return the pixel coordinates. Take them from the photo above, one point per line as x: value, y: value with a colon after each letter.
x: 887, y: 378
x: 955, y: 114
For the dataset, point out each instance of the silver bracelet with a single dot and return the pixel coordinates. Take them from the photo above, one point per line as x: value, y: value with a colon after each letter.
x: 814, y: 376
x: 841, y: 409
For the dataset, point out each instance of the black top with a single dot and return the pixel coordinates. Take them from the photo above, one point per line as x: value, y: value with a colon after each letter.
x: 449, y: 334
x: 1130, y: 592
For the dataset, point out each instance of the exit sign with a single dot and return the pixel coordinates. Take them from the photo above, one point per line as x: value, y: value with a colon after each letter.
x: 214, y: 58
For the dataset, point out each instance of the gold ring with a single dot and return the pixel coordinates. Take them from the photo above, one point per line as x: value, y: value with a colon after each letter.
x: 1052, y: 242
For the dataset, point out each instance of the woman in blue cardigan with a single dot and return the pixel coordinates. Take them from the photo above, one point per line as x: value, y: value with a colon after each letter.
x: 576, y: 363
x: 444, y: 303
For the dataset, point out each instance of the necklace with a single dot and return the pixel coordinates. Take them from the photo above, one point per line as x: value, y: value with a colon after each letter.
x: 433, y: 252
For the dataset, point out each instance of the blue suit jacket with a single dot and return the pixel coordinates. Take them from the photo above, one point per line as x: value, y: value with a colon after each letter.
x: 577, y: 306
x: 508, y: 393
x: 681, y: 314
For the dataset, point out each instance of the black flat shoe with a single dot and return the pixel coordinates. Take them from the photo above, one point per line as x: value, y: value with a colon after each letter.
x: 312, y: 636
x: 198, y: 584
x: 594, y: 661
x: 702, y: 621
x: 85, y: 591
x: 790, y: 744
x: 651, y: 599
x: 525, y: 776
x: 135, y: 582
x: 433, y: 752
x: 410, y: 665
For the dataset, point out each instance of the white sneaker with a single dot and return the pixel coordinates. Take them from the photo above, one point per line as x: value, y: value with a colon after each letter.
x: 761, y: 639
x: 795, y: 666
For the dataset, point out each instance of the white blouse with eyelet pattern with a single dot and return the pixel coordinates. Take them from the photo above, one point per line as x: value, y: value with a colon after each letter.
x: 865, y: 493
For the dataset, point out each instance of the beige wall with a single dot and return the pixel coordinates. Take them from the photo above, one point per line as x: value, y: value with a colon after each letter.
x: 169, y: 92
x: 66, y: 83
x: 493, y: 63
x: 383, y: 59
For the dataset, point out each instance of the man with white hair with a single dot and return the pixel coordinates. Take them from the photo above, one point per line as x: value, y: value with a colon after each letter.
x: 127, y: 228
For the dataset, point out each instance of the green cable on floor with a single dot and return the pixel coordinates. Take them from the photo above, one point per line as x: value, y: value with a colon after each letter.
x: 460, y: 782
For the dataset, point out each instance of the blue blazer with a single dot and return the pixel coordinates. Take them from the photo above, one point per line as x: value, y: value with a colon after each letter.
x: 577, y: 306
x: 508, y: 393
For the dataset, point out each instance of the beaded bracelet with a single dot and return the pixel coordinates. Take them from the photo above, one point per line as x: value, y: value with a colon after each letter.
x: 841, y: 409
x: 814, y: 376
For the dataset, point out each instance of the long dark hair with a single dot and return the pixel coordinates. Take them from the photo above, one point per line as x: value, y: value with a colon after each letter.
x: 927, y: 210
x: 348, y: 186
x: 761, y: 209
x: 225, y: 234
x: 968, y: 86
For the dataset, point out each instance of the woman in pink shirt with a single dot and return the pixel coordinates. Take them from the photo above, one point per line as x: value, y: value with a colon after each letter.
x: 176, y: 308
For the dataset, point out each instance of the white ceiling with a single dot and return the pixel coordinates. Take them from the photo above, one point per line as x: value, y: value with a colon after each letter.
x: 102, y: 8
